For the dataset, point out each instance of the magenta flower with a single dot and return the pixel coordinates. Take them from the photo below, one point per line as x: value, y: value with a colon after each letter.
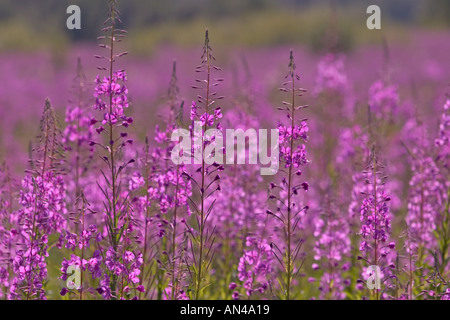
x: 332, y: 248
x: 383, y: 99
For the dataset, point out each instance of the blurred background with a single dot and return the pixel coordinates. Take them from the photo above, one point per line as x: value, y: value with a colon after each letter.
x: 251, y: 40
x: 31, y: 25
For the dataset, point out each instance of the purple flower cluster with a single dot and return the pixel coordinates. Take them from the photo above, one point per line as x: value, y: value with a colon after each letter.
x: 77, y: 129
x: 424, y: 201
x: 443, y: 141
x: 207, y: 119
x: 331, y: 74
x: 42, y: 214
x: 376, y: 246
x: 7, y: 230
x: 376, y: 223
x: 115, y: 90
x: 289, y: 210
x: 383, y: 99
x: 298, y: 157
x: 255, y: 267
x: 331, y: 248
x: 164, y: 176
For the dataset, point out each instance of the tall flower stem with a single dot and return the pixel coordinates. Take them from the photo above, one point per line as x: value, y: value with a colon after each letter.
x: 111, y: 144
x: 173, y: 95
x: 46, y: 132
x: 174, y: 239
x: 289, y: 187
x: 112, y: 90
x: 202, y: 194
x: 111, y: 131
x: 83, y: 211
x: 147, y: 210
x: 375, y: 209
x: 204, y: 240
x: 294, y: 155
x: 445, y: 240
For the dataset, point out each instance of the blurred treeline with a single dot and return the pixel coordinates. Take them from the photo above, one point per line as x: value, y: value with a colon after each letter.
x: 31, y: 24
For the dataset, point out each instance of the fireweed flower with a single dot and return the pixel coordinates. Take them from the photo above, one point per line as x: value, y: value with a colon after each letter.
x: 428, y: 195
x: 351, y: 145
x: 42, y: 212
x: 180, y: 296
x: 118, y: 233
x: 446, y: 295
x: 43, y: 206
x: 350, y: 153
x: 205, y: 179
x: 335, y: 101
x: 255, y: 267
x: 164, y: 231
x: 442, y: 160
x: 443, y: 141
x: 164, y: 177
x: 437, y: 288
x: 116, y: 91
x: 76, y: 140
x: 74, y: 120
x: 75, y: 261
x: 7, y: 230
x: 81, y: 242
x: 165, y: 188
x: 424, y: 201
x: 331, y: 74
x: 239, y: 207
x: 286, y: 194
x: 375, y: 231
x: 383, y: 99
x: 331, y: 248
x: 333, y: 84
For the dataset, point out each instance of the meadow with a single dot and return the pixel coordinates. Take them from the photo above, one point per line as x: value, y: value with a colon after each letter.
x: 93, y: 207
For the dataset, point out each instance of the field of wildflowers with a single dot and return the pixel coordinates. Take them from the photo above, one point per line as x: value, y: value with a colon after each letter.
x: 93, y: 207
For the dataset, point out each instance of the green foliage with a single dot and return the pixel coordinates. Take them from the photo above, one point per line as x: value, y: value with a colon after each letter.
x: 235, y: 22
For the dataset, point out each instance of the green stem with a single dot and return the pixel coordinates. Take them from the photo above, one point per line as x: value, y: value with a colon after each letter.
x: 202, y: 195
x: 112, y: 160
